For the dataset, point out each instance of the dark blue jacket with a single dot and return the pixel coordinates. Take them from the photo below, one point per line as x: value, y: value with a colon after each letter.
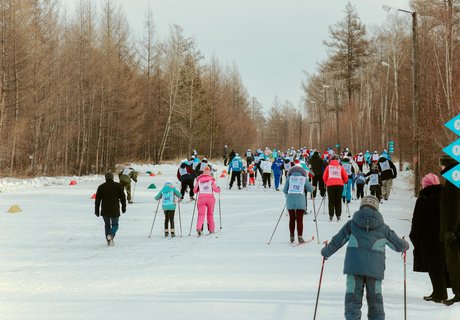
x: 367, y: 235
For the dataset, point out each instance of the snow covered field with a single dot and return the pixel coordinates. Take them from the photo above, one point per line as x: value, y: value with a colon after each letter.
x: 55, y: 264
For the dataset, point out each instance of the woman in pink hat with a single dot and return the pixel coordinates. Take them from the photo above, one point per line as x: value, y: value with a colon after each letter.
x: 429, y: 253
x: 205, y: 187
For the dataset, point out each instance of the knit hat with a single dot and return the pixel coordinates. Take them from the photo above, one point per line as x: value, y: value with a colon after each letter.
x: 109, y: 176
x: 429, y: 180
x: 446, y: 161
x: 169, y: 183
x: 207, y: 170
x: 370, y: 202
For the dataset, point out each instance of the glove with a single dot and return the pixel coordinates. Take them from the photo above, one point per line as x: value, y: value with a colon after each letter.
x: 123, y: 209
x: 96, y: 213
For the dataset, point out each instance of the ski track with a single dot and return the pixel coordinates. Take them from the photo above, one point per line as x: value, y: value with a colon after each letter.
x: 56, y: 265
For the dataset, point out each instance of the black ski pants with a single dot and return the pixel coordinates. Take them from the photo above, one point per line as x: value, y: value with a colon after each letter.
x: 322, y: 189
x: 334, y: 194
x: 237, y: 175
x: 376, y: 191
x: 184, y: 185
x: 266, y: 179
x: 359, y: 191
x: 169, y: 220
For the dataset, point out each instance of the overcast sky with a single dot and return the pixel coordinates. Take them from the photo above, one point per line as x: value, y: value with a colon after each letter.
x: 272, y: 42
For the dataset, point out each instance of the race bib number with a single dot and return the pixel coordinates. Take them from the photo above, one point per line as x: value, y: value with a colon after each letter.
x: 347, y: 167
x: 248, y: 154
x: 287, y: 166
x: 374, y: 179
x: 297, y: 185
x: 266, y: 166
x: 235, y: 165
x: 256, y: 159
x: 360, y: 159
x: 183, y: 171
x: 385, y: 165
x: 168, y: 198
x: 375, y: 157
x: 205, y: 187
x: 334, y: 172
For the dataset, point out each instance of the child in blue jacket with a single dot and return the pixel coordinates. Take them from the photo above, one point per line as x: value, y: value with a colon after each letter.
x: 167, y: 193
x: 367, y: 235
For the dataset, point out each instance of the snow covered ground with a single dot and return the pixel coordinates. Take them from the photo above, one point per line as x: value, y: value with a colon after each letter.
x: 55, y: 264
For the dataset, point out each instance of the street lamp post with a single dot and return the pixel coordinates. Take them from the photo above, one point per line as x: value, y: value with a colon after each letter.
x: 325, y: 106
x: 415, y: 96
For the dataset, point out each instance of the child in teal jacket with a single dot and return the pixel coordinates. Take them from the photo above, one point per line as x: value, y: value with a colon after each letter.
x: 169, y: 205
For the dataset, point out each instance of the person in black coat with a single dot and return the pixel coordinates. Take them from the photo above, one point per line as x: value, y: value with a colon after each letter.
x: 317, y: 166
x: 388, y: 172
x: 450, y: 228
x: 428, y: 250
x: 109, y: 195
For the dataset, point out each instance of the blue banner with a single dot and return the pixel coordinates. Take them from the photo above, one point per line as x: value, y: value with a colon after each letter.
x: 454, y: 125
x: 453, y: 175
x: 453, y: 150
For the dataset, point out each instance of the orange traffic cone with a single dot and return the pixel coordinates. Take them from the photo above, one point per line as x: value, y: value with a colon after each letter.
x: 73, y: 182
x: 93, y: 196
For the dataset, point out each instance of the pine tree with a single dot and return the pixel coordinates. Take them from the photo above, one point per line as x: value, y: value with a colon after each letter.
x: 349, y: 47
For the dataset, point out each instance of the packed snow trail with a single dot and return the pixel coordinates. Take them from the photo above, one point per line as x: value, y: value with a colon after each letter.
x: 55, y: 262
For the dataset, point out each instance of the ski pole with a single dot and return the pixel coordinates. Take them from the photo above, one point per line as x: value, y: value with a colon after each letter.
x: 316, y: 223
x: 348, y: 210
x: 191, y: 223
x: 405, y: 287
x: 320, y: 205
x: 156, y: 211
x: 220, y: 214
x: 276, y: 225
x: 319, y: 285
x: 180, y: 220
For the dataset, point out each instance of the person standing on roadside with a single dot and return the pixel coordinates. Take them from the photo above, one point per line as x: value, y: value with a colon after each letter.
x: 450, y: 228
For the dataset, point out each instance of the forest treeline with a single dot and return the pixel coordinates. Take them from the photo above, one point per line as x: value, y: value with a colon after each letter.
x: 80, y: 94
x: 362, y: 94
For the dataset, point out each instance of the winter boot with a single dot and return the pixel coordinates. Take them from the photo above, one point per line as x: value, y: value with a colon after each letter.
x: 301, y: 240
x: 292, y: 238
x: 110, y: 240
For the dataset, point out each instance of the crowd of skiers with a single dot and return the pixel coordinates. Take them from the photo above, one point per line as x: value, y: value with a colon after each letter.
x: 342, y: 177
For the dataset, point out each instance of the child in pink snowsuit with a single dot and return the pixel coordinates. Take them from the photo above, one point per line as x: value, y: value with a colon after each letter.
x: 205, y: 187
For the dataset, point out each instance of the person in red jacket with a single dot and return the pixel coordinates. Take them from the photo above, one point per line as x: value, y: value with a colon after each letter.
x: 335, y: 177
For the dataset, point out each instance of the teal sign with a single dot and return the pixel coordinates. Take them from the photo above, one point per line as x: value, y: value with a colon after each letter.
x: 391, y: 146
x: 453, y: 150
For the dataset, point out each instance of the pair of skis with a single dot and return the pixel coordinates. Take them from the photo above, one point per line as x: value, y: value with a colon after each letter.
x: 302, y: 243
